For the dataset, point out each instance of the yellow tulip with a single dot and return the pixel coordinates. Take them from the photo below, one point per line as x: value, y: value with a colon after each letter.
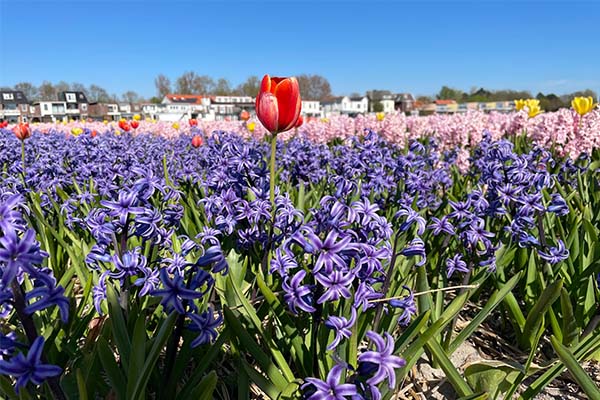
x: 250, y: 126
x: 520, y: 104
x: 137, y: 117
x: 175, y: 125
x: 325, y: 120
x: 533, y: 110
x: 583, y: 105
x: 105, y: 122
x: 380, y: 116
x: 76, y: 131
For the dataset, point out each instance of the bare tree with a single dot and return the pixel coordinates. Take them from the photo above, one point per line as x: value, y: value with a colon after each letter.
x: 131, y: 97
x: 47, y: 91
x: 250, y: 87
x: 62, y: 86
x: 314, y: 87
x: 222, y: 88
x: 163, y: 85
x: 186, y: 82
x: 79, y: 87
x: 29, y: 90
x: 98, y: 94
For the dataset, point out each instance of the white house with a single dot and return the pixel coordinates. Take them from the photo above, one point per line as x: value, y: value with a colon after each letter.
x: 223, y: 107
x: 346, y: 105
x: 49, y: 111
x: 311, y: 108
x: 178, y: 107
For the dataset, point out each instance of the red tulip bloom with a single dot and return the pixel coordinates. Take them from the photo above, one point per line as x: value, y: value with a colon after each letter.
x: 193, y: 122
x: 22, y: 131
x: 244, y: 115
x: 134, y: 124
x: 299, y: 122
x: 278, y: 103
x: 197, y: 141
x: 124, y: 125
x: 94, y: 134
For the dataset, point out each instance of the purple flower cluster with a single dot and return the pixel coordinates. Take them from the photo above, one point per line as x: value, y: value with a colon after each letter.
x: 21, y: 261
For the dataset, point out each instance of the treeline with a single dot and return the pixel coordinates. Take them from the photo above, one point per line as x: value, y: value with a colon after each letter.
x: 312, y: 87
x: 548, y: 102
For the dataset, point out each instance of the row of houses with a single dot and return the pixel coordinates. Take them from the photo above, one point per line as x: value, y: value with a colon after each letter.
x: 14, y: 107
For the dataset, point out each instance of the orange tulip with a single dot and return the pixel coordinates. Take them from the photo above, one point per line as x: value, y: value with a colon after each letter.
x: 244, y: 115
x: 124, y: 125
x: 193, y: 122
x: 197, y: 141
x: 22, y: 131
x: 278, y: 103
x: 94, y: 134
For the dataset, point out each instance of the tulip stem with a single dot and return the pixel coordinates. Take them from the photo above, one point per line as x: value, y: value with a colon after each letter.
x: 272, y: 168
x: 23, y: 158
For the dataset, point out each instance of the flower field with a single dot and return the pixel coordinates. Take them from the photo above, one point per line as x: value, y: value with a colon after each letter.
x: 170, y: 262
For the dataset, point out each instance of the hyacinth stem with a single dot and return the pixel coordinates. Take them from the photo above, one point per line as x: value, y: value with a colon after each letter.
x: 450, y: 331
x: 386, y: 285
x: 31, y: 333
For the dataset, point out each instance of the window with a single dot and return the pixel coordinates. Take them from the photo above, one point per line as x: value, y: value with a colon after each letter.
x: 8, y: 96
x: 70, y: 97
x: 45, y: 107
x: 23, y: 107
x: 84, y: 107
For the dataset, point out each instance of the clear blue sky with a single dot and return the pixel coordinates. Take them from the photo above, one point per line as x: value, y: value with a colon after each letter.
x: 397, y: 45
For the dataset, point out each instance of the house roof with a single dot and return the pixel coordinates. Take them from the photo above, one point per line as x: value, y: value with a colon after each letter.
x: 79, y: 96
x: 185, y: 98
x: 12, y: 97
x: 359, y: 98
x: 444, y: 102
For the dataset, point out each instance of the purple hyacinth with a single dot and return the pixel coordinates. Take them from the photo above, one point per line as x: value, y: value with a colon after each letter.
x: 415, y: 248
x: 297, y: 296
x: 175, y: 294
x: 341, y: 326
x: 29, y: 368
x: 331, y: 388
x: 554, y: 255
x: 455, y: 263
x: 336, y: 284
x: 382, y: 358
x: 409, y: 308
x: 206, y: 325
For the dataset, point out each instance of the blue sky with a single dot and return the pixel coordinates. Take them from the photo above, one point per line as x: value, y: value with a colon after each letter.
x: 546, y: 46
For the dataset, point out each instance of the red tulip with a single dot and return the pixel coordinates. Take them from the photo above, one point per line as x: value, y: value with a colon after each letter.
x: 124, y: 125
x: 278, y: 103
x: 134, y: 124
x: 299, y: 122
x: 193, y: 122
x: 197, y: 141
x: 244, y: 115
x: 3, y: 124
x: 22, y: 131
x: 94, y: 133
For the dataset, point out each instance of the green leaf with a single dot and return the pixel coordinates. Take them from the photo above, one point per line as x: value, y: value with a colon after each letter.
x: 259, y: 380
x: 578, y: 373
x: 81, y: 386
x: 288, y: 325
x: 119, y: 326
x: 495, y: 299
x: 275, y: 352
x: 158, y: 343
x: 570, y: 329
x: 138, y: 355
x: 247, y: 343
x: 452, y: 374
x: 113, y: 372
x: 493, y: 377
x: 206, y: 388
x: 6, y: 388
x: 588, y: 345
x: 537, y: 313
